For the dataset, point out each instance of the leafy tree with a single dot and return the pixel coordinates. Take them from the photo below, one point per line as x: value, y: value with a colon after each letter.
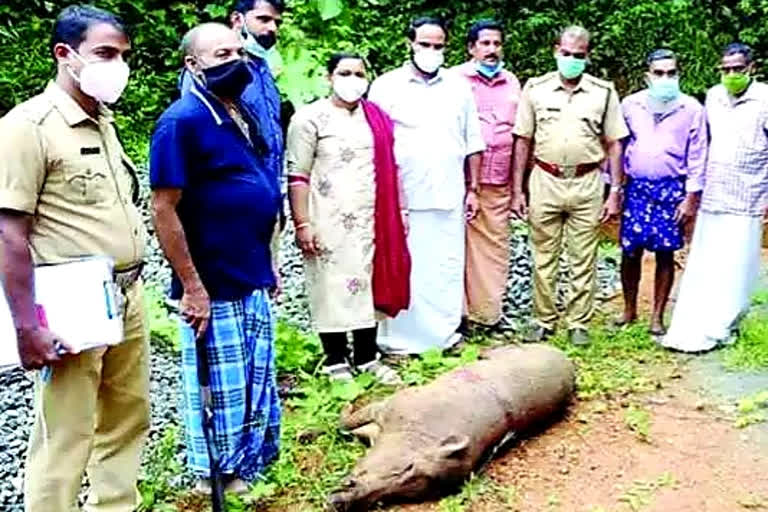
x: 624, y: 31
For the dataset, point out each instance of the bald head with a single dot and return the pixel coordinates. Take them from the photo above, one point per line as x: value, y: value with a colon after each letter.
x: 210, y: 44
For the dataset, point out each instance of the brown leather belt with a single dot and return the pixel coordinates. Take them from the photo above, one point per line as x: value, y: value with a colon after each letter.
x: 126, y: 277
x: 554, y: 169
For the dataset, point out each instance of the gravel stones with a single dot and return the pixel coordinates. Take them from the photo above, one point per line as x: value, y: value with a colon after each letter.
x: 16, y: 418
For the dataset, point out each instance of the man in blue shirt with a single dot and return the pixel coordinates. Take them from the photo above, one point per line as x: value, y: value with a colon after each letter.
x: 258, y: 23
x: 215, y: 201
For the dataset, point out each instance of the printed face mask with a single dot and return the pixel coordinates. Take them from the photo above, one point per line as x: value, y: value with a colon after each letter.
x: 104, y: 80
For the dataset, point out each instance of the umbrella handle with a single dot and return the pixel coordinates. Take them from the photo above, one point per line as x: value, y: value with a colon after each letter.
x: 218, y: 503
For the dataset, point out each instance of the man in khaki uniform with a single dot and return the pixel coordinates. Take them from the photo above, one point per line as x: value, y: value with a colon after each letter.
x: 66, y: 190
x: 573, y: 121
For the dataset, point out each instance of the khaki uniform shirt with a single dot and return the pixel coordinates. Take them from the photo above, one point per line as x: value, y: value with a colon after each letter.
x: 569, y: 128
x: 69, y: 171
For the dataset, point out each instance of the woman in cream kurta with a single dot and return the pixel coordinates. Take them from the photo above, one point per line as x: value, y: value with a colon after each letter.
x: 333, y: 148
x: 330, y: 150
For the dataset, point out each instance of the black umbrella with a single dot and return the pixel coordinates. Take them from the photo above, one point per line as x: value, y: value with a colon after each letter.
x: 209, y: 428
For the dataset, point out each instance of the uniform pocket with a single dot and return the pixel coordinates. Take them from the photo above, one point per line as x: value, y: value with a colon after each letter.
x: 87, y: 182
x: 592, y: 126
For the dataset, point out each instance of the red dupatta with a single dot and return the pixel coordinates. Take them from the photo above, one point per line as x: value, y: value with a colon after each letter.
x: 391, y: 259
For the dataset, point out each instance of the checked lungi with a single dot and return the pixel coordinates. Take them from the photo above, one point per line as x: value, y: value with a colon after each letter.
x: 241, y: 356
x: 648, y: 221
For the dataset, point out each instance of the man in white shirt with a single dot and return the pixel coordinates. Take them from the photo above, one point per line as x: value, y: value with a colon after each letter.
x: 437, y: 132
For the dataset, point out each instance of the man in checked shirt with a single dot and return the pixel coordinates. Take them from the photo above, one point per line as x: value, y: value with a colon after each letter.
x: 724, y: 259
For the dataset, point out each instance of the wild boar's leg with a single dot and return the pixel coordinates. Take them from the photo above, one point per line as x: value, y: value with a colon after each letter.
x: 371, y: 413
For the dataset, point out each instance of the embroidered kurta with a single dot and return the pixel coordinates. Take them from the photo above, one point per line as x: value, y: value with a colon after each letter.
x: 333, y: 149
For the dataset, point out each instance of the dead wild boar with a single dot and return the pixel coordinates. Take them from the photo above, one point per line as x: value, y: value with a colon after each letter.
x: 428, y: 439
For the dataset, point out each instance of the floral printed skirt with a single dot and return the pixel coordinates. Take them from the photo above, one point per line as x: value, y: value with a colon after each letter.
x: 648, y: 221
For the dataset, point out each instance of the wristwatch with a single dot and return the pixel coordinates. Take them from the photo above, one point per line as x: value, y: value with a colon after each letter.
x: 617, y: 188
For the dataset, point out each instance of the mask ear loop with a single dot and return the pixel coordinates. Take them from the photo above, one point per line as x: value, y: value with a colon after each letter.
x: 79, y: 57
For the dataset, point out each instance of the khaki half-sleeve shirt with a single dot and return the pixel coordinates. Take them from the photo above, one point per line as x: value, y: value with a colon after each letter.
x: 69, y: 171
x: 569, y: 128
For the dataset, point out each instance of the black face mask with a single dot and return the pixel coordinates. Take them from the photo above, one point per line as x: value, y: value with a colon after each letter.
x: 267, y: 40
x: 228, y: 80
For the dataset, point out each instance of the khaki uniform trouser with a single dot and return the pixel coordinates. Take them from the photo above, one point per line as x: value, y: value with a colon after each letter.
x: 571, y: 206
x: 92, y: 415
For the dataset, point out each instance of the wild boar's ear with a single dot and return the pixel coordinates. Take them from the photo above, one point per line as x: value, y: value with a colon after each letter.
x: 453, y: 446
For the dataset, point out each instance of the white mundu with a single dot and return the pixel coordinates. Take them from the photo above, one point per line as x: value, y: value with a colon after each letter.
x: 80, y: 304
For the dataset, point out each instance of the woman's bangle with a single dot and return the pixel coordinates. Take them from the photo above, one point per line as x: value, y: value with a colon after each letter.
x: 302, y: 225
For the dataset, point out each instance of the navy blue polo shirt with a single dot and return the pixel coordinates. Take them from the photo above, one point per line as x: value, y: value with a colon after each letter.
x: 230, y: 193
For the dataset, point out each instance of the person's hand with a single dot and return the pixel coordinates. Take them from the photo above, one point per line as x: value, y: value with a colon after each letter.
x: 611, y: 208
x: 471, y: 205
x: 518, y: 208
x: 686, y: 211
x: 306, y: 240
x: 196, y: 309
x: 406, y: 223
x: 39, y: 347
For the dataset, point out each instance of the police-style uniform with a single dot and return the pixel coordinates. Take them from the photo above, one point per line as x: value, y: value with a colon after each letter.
x: 69, y: 171
x: 569, y: 130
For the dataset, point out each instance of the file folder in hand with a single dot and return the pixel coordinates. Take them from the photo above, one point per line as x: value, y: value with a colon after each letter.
x: 78, y: 301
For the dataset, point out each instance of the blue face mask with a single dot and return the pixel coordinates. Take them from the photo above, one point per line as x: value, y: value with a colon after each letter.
x: 664, y: 89
x: 487, y: 70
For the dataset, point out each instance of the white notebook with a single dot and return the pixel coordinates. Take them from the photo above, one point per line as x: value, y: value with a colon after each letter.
x: 79, y: 302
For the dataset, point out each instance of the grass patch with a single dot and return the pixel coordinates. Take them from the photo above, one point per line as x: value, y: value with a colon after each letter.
x: 752, y: 409
x: 638, y: 420
x: 750, y: 352
x: 617, y: 362
x: 640, y: 495
x: 476, y: 490
x: 162, y: 468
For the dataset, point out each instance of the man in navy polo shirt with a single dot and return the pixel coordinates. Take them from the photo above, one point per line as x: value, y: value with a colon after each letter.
x: 215, y: 201
x: 257, y: 22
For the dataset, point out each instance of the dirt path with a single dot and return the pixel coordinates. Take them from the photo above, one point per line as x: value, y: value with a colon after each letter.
x: 688, y: 455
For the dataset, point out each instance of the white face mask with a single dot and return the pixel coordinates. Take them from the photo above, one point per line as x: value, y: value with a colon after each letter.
x: 428, y: 60
x: 103, y: 81
x: 350, y: 88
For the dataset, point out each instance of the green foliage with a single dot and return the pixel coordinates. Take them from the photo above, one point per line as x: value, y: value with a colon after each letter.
x: 641, y: 494
x: 617, y: 362
x: 162, y: 467
x: 752, y: 409
x: 624, y: 31
x: 750, y: 352
x: 296, y: 352
x: 638, y: 420
x: 476, y: 489
x: 163, y: 330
